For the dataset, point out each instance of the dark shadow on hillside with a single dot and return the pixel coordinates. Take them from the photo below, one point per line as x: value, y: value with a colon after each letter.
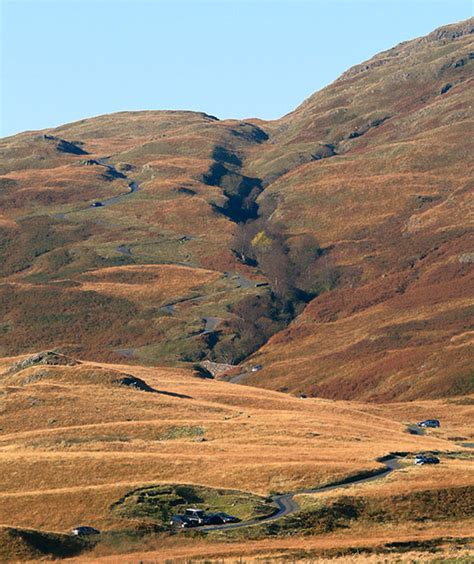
x: 141, y: 385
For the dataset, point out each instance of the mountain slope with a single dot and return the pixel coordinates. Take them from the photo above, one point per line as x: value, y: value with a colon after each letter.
x: 374, y: 168
x: 394, y: 208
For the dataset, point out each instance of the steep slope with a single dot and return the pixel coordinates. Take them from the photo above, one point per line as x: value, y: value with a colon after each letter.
x: 120, y: 234
x: 392, y: 209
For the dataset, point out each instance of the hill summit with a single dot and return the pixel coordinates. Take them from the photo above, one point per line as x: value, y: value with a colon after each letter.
x: 333, y: 246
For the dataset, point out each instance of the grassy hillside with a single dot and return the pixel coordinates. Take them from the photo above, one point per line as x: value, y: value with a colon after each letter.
x: 81, y: 443
x: 390, y: 204
x: 341, y: 229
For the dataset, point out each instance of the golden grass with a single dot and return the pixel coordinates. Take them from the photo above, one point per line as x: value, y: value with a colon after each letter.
x: 145, y: 283
x: 393, y: 206
x: 8, y: 222
x: 292, y: 548
x: 70, y: 445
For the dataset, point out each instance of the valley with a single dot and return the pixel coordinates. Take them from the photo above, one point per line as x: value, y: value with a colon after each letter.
x: 249, y: 316
x: 350, y: 217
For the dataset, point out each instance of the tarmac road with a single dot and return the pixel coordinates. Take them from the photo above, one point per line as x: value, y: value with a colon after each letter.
x: 286, y: 503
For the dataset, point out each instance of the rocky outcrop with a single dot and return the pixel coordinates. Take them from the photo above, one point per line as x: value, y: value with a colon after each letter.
x: 49, y: 358
x: 216, y: 368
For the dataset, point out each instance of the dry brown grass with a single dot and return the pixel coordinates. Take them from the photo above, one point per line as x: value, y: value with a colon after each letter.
x: 297, y: 549
x: 146, y: 283
x: 392, y: 209
x: 72, y: 443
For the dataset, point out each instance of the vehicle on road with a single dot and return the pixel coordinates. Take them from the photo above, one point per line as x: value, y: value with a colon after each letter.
x: 84, y: 531
x: 97, y: 204
x: 256, y: 368
x: 421, y: 459
x: 182, y: 522
x: 285, y: 504
x: 193, y: 517
x: 221, y: 518
x: 433, y: 423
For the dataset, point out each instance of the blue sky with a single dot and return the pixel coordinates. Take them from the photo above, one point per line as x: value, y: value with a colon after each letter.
x: 66, y: 60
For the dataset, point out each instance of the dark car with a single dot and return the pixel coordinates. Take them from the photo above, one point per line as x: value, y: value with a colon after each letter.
x: 421, y: 459
x: 192, y: 517
x: 221, y: 518
x: 84, y: 531
x: 97, y: 204
x: 182, y: 522
x: 433, y: 423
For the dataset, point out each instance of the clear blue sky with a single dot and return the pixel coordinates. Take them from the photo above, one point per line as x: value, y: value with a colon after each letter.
x: 66, y: 60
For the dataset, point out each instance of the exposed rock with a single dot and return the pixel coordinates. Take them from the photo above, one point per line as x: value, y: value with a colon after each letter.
x: 216, y: 368
x: 364, y: 128
x: 50, y: 358
x: 324, y: 151
x: 459, y: 63
x: 421, y: 199
x: 124, y: 167
x: 466, y: 258
x: 112, y: 173
x: 139, y: 384
x: 184, y: 190
x: 379, y: 121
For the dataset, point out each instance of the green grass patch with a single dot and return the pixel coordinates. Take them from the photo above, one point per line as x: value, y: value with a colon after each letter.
x: 159, y: 503
x: 189, y: 432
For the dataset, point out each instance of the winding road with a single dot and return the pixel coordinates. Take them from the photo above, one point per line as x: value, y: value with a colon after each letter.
x: 116, y: 199
x: 286, y: 503
x: 133, y: 188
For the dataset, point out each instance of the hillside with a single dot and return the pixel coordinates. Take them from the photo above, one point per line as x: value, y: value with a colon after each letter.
x: 110, y: 446
x: 333, y: 246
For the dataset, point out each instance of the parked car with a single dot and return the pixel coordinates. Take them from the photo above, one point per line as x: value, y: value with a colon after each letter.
x: 421, y: 459
x: 221, y: 518
x: 193, y: 517
x: 97, y: 204
x: 429, y: 423
x: 256, y: 368
x: 84, y: 531
x: 182, y: 522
